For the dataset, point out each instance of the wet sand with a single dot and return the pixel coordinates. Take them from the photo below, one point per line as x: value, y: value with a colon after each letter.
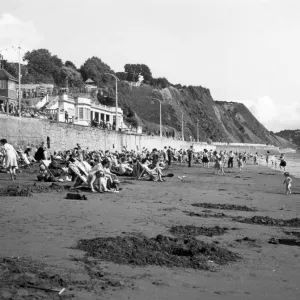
x: 46, y: 227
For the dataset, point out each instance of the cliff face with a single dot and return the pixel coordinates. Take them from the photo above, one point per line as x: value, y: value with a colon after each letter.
x: 219, y: 121
x: 291, y: 135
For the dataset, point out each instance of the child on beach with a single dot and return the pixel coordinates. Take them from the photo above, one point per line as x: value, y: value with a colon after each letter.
x: 217, y: 166
x: 282, y: 162
x: 288, y: 183
x: 255, y: 158
x: 240, y: 161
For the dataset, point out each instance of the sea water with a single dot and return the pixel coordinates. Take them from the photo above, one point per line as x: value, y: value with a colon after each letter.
x: 292, y: 163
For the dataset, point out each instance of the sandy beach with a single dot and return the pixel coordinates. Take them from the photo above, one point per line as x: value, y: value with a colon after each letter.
x: 43, y: 231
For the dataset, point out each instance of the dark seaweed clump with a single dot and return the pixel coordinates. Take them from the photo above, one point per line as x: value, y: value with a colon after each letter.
x: 161, y: 250
x: 194, y: 231
x: 224, y: 206
x: 28, y: 190
x: 205, y: 215
x: 267, y: 221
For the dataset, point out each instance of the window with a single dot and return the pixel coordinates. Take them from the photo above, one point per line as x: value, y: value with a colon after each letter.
x: 87, y: 113
x: 107, y: 118
x: 11, y: 85
x: 3, y: 85
x: 80, y: 113
x: 84, y: 113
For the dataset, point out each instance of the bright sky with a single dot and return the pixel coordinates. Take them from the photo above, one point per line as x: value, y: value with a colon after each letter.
x: 242, y: 50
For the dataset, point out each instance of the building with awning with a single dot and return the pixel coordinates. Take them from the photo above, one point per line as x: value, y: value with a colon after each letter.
x: 83, y: 111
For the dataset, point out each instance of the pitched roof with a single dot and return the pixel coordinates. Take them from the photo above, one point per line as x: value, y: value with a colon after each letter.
x: 5, y: 75
x: 89, y: 81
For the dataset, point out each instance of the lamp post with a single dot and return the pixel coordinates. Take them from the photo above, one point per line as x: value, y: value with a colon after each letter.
x: 116, y: 98
x: 197, y: 130
x: 182, y: 135
x: 19, y: 48
x: 160, y: 125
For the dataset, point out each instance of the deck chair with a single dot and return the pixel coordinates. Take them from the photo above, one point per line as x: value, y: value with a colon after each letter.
x: 81, y: 167
x: 81, y: 177
x: 46, y: 163
x: 144, y: 173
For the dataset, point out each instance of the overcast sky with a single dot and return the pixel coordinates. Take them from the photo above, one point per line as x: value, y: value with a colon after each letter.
x: 242, y: 50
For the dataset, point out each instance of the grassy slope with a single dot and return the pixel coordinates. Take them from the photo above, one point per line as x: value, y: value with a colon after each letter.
x: 219, y: 121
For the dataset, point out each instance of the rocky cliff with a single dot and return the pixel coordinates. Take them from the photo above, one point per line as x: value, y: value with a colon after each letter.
x: 217, y: 120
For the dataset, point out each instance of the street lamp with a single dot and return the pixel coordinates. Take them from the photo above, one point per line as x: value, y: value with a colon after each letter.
x: 182, y: 135
x: 197, y: 130
x: 19, y: 75
x: 19, y: 48
x: 160, y: 126
x: 117, y: 79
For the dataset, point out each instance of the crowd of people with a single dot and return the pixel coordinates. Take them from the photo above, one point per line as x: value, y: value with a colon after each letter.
x: 13, y: 110
x: 103, y: 125
x: 99, y: 170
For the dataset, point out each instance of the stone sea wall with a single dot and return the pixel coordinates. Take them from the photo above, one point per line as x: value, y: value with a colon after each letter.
x: 32, y: 132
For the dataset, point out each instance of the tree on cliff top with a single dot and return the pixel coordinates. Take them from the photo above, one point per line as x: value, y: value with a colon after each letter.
x: 134, y: 70
x: 74, y: 77
x: 42, y: 67
x: 95, y: 68
x: 70, y: 64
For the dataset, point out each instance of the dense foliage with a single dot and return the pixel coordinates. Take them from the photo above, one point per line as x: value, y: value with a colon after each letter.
x: 95, y: 69
x: 43, y: 67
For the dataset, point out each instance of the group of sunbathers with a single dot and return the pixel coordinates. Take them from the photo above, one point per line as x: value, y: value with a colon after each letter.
x: 99, y: 170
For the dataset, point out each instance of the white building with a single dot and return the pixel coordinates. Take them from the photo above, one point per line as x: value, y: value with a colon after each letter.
x: 82, y: 111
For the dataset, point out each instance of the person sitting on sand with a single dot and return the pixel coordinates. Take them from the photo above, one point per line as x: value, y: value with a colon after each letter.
x: 288, y: 183
x: 103, y: 183
x: 124, y: 168
x: 155, y: 173
x: 92, y: 175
